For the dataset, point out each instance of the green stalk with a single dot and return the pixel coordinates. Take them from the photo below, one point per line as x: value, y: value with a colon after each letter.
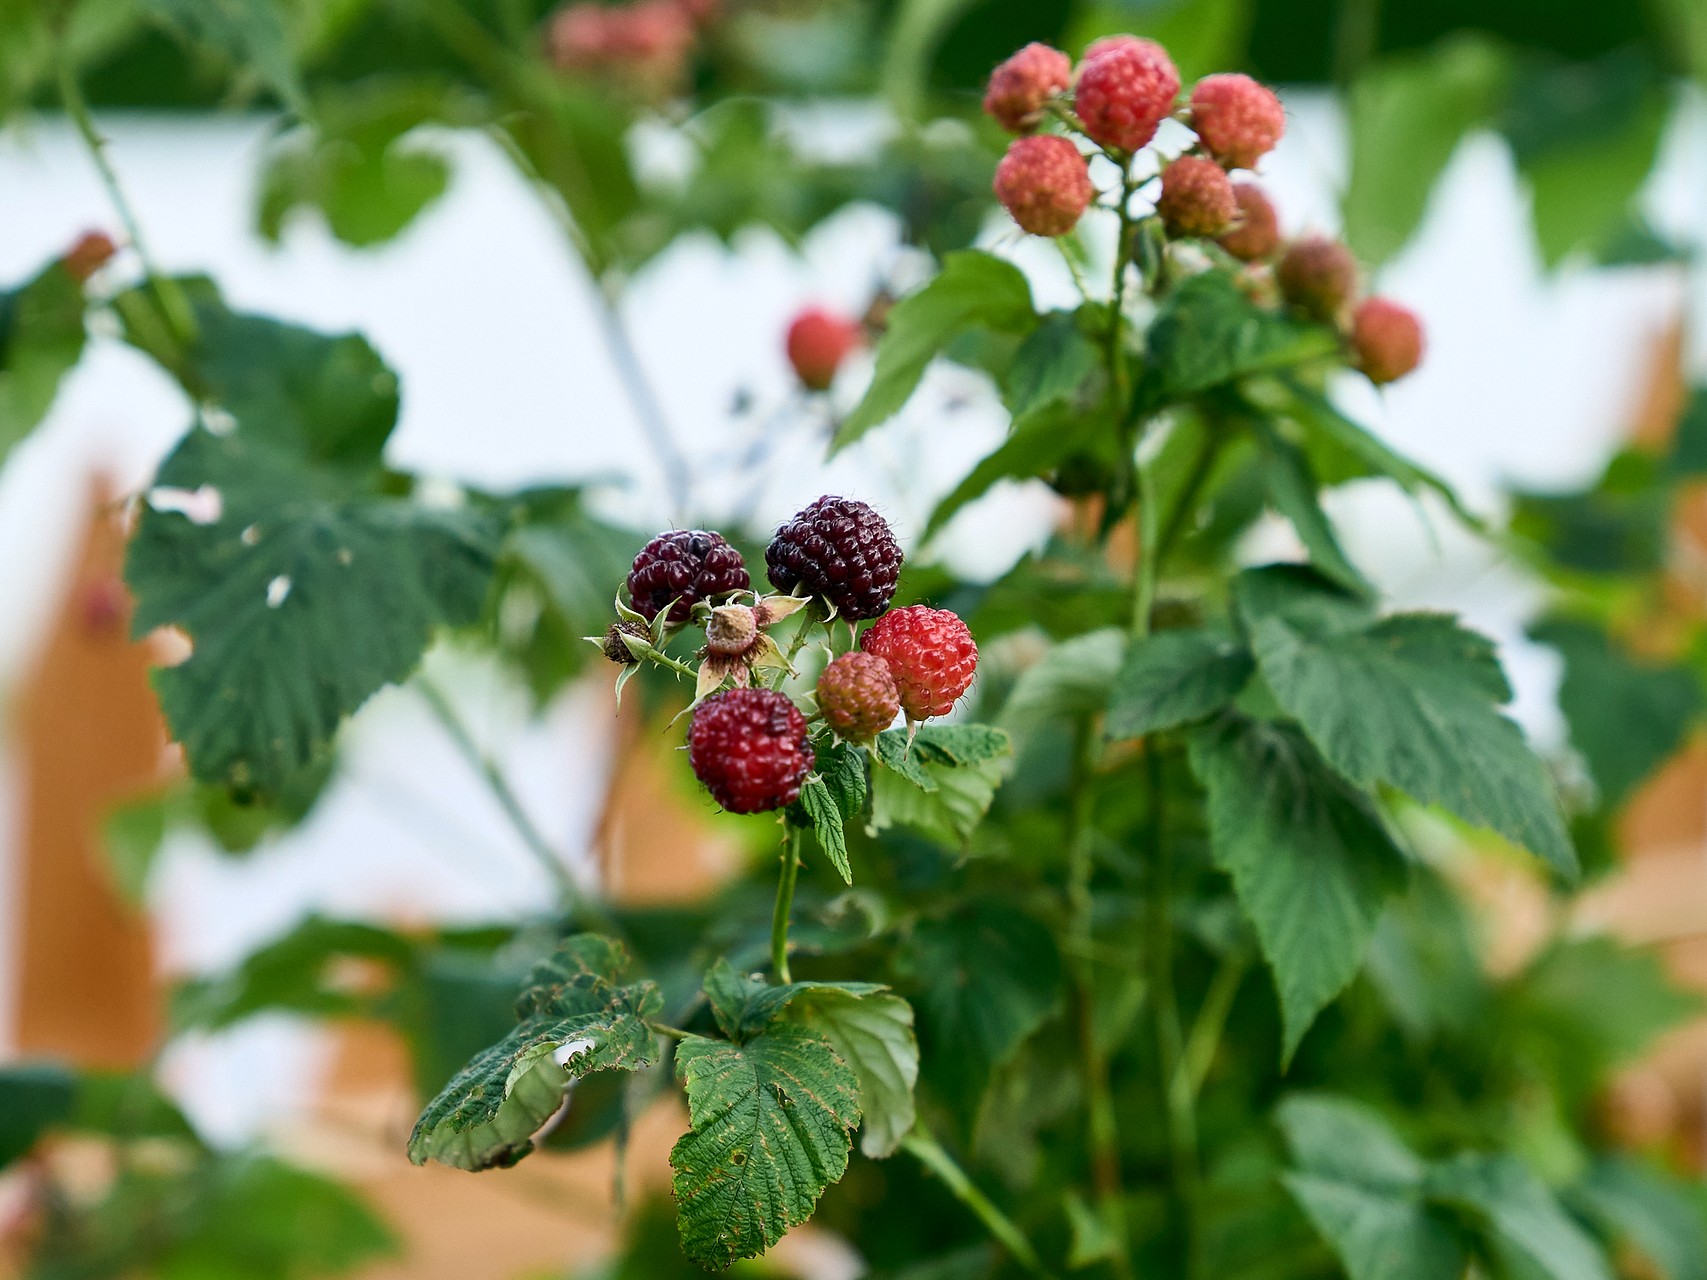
x: 169, y: 299
x: 1178, y: 1104
x: 784, y: 905
x: 574, y: 900
x: 929, y: 1152
x: 1102, y: 1127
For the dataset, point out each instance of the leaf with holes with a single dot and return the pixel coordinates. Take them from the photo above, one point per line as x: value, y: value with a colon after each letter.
x: 576, y: 1018
x: 770, y: 1122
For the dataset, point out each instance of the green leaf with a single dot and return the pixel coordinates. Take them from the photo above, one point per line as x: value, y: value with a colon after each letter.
x: 304, y: 597
x: 825, y: 816
x: 1200, y: 35
x: 1292, y: 491
x: 34, y: 1096
x: 1627, y: 716
x: 1057, y: 363
x: 357, y: 166
x: 1618, y: 527
x: 1359, y: 1186
x: 1648, y: 1210
x: 1311, y: 862
x: 1524, y: 1225
x: 131, y: 837
x: 842, y: 767
x: 873, y: 1033
x: 41, y: 340
x: 1042, y: 440
x: 769, y: 1130
x: 988, y: 976
x: 745, y: 1004
x: 943, y: 784
x: 1355, y: 452
x: 1174, y: 677
x: 248, y: 33
x: 1689, y: 444
x: 575, y: 1019
x: 1408, y: 114
x: 973, y: 290
x: 1070, y: 681
x: 1411, y: 702
x: 1208, y: 333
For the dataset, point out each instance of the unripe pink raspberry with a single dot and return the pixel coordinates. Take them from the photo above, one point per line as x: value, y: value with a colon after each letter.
x: 817, y: 343
x: 1126, y: 88
x: 88, y: 255
x: 1237, y: 119
x: 1256, y: 228
x: 1387, y: 338
x: 1318, y: 276
x: 1197, y: 199
x: 858, y: 697
x: 930, y: 653
x: 1045, y: 184
x: 1021, y: 86
x: 642, y: 47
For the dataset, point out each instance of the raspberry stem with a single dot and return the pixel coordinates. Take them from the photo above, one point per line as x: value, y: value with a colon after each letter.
x: 784, y: 904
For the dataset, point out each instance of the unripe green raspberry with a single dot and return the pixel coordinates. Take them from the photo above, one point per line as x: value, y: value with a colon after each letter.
x: 1387, y: 339
x: 1256, y: 228
x: 1197, y: 199
x: 1237, y: 119
x: 1318, y: 277
x: 1021, y: 87
x: 1044, y: 183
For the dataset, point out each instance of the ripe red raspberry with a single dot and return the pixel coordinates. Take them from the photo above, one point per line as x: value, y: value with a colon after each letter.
x: 1318, y: 276
x: 1126, y: 88
x: 1387, y: 338
x: 841, y: 551
x: 684, y: 565
x: 1237, y: 119
x: 1197, y: 199
x: 931, y: 655
x: 858, y: 697
x: 1256, y: 230
x: 749, y: 748
x: 88, y: 255
x: 1021, y: 86
x: 1045, y: 184
x: 818, y: 341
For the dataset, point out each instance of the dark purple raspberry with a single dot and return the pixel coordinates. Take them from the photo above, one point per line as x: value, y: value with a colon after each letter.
x: 841, y: 551
x: 749, y: 748
x: 687, y: 566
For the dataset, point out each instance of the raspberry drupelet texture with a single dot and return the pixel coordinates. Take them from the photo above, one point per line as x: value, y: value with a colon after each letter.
x: 1387, y: 338
x: 1256, y: 227
x: 1126, y: 88
x: 617, y: 651
x: 930, y: 654
x: 1238, y: 120
x: 1021, y: 87
x: 1045, y: 184
x: 1318, y: 276
x: 817, y: 343
x: 1197, y: 199
x: 841, y: 551
x: 686, y: 566
x: 749, y: 748
x: 858, y: 697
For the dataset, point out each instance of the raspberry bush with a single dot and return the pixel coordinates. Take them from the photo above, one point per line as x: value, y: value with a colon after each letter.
x: 1107, y: 919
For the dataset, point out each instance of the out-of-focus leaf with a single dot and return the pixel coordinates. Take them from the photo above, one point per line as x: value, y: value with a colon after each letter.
x: 1522, y: 1222
x: 1408, y: 114
x: 1069, y: 682
x: 1175, y: 677
x: 1648, y: 1210
x: 33, y: 1098
x: 41, y: 339
x: 1200, y: 35
x: 973, y: 290
x: 1293, y: 492
x: 1616, y: 527
x: 1311, y: 862
x: 248, y: 33
x: 1627, y: 717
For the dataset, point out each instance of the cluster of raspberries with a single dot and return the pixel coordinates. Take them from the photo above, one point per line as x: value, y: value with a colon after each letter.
x: 750, y: 746
x: 1117, y: 98
x: 642, y: 47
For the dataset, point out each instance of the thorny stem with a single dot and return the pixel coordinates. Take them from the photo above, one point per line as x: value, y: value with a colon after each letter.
x: 1177, y: 1101
x: 168, y: 298
x: 1103, y: 1128
x: 577, y: 902
x: 924, y: 1148
x: 784, y: 905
